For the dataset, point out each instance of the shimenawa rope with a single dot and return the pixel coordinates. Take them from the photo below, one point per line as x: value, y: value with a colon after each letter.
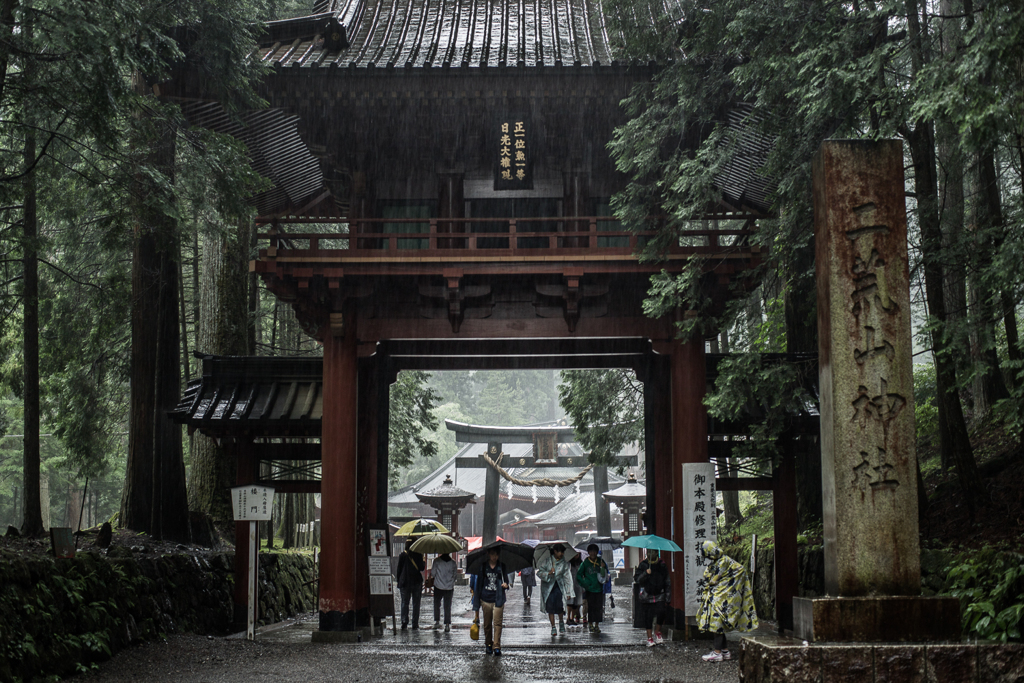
x: 533, y: 482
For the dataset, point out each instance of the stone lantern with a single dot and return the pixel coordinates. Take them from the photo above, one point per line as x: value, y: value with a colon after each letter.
x: 448, y: 501
x: 631, y: 499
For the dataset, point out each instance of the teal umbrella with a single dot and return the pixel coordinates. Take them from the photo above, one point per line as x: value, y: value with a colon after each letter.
x: 652, y: 541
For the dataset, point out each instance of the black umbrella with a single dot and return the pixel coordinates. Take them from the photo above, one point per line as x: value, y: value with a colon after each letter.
x: 605, y: 544
x: 513, y: 556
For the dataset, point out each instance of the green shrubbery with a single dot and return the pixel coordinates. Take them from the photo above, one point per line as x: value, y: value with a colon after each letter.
x: 990, y: 585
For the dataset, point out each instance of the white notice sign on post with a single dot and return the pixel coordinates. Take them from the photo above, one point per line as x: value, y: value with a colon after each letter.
x: 252, y: 503
x: 700, y: 523
x: 380, y: 565
x: 380, y: 585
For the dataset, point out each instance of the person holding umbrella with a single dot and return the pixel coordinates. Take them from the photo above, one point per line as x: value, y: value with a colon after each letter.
x: 443, y: 571
x: 409, y: 577
x: 555, y: 585
x: 655, y: 591
x: 591, y: 576
x: 528, y: 581
x: 490, y: 593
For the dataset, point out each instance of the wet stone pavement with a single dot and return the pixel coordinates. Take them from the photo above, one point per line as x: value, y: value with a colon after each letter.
x: 285, y: 652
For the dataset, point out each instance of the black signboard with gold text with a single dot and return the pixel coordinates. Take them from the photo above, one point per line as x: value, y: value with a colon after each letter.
x: 514, y: 166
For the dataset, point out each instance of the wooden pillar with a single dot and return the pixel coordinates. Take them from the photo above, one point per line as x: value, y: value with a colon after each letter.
x: 784, y: 518
x: 604, y: 513
x: 245, y: 473
x: 575, y: 202
x: 386, y: 376
x: 451, y: 204
x: 658, y: 444
x: 339, y: 481
x: 491, y: 495
x: 689, y: 443
x: 366, y: 479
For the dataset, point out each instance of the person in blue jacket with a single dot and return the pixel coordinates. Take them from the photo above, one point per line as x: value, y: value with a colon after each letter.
x: 490, y: 593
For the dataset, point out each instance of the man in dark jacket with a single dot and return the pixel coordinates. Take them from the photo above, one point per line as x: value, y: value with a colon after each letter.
x: 655, y: 592
x: 409, y: 578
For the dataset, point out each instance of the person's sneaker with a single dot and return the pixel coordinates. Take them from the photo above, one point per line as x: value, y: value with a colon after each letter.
x: 447, y: 628
x: 415, y: 627
x: 596, y: 629
x: 713, y: 657
x: 405, y: 626
x: 497, y: 652
x: 561, y: 629
x: 590, y: 627
x: 489, y: 650
x: 650, y: 642
x: 658, y: 639
x: 437, y: 624
x: 554, y: 631
x: 726, y: 654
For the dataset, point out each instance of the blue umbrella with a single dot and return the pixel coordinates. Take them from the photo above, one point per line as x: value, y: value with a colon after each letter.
x: 652, y: 541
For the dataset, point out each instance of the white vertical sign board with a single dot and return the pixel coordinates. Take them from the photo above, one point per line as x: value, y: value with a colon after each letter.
x: 620, y: 557
x: 252, y: 504
x: 700, y: 523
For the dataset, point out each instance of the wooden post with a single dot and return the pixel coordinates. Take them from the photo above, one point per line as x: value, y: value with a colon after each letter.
x: 784, y: 517
x: 245, y: 473
x: 339, y: 490
x: 658, y: 448
x: 367, y: 478
x: 689, y: 443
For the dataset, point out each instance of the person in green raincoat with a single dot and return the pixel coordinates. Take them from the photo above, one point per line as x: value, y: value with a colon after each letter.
x: 727, y: 600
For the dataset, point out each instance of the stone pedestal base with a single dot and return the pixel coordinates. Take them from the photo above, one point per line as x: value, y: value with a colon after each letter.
x: 777, y: 659
x: 873, y: 620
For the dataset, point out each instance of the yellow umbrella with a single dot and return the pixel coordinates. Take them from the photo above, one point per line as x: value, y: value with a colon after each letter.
x: 435, y: 544
x: 421, y: 527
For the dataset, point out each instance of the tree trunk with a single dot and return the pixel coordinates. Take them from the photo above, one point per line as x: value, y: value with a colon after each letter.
x: 951, y: 185
x: 33, y: 515
x: 289, y: 517
x: 989, y: 386
x: 154, y: 499
x: 223, y: 330
x: 922, y: 149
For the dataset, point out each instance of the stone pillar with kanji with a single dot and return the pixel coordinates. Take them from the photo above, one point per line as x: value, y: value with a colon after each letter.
x: 869, y: 464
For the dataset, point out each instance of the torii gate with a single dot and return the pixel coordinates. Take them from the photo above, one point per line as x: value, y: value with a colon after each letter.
x: 545, y: 442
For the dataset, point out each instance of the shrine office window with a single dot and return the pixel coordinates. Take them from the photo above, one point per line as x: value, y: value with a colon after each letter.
x: 407, y: 210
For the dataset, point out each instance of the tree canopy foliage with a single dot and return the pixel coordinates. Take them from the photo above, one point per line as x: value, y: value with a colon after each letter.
x: 944, y: 76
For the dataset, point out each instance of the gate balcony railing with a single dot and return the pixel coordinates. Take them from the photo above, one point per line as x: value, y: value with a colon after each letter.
x: 417, y: 237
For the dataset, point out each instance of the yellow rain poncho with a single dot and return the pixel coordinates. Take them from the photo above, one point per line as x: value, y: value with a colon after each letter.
x: 727, y: 600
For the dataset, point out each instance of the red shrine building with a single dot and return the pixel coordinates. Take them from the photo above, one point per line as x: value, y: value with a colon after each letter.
x: 441, y: 201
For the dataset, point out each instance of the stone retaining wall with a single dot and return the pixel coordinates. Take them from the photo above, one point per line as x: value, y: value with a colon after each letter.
x: 60, y: 616
x: 775, y: 659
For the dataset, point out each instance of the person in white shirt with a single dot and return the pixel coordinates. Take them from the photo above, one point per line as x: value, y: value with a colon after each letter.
x: 443, y: 572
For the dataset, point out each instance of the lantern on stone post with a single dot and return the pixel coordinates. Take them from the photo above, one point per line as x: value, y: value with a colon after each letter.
x: 448, y: 501
x: 630, y: 498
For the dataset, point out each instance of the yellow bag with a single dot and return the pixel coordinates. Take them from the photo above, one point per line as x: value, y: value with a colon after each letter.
x: 474, y: 631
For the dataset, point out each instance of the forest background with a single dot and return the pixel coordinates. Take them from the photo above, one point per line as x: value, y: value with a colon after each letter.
x: 120, y: 226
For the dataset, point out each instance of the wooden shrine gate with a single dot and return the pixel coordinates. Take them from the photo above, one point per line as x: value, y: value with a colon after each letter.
x: 441, y: 200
